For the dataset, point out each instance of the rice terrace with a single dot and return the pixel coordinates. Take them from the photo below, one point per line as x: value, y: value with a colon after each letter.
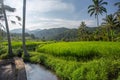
x: 59, y: 40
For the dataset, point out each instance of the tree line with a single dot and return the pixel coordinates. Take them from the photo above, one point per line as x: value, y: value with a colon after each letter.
x: 108, y: 30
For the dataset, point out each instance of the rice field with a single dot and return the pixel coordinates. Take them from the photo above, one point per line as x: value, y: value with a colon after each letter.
x: 81, y: 60
x: 82, y: 50
x: 74, y: 60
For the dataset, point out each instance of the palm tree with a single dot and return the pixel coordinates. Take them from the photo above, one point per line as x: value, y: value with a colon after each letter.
x: 23, y: 29
x: 117, y: 14
x: 118, y: 5
x: 82, y: 31
x: 110, y: 22
x: 2, y: 10
x: 97, y: 8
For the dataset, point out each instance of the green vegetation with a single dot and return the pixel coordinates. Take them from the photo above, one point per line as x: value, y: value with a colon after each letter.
x: 74, y: 60
x: 17, y: 46
x: 70, y: 62
x: 82, y: 50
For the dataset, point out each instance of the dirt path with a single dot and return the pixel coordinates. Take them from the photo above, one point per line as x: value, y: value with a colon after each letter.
x: 7, y: 70
x: 12, y: 69
x: 20, y: 69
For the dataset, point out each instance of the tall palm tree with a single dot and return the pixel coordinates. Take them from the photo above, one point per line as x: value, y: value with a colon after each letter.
x: 118, y: 5
x: 3, y: 8
x: 110, y: 22
x: 23, y: 29
x: 97, y: 8
x: 117, y: 14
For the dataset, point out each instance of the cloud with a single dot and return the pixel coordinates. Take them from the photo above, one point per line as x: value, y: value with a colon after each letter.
x: 49, y: 5
x: 44, y: 7
x: 41, y: 7
x: 36, y: 7
x: 45, y: 23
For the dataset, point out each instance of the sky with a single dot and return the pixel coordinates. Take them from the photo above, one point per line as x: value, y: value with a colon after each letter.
x: 45, y: 14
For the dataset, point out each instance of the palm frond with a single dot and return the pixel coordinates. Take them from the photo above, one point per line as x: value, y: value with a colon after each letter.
x: 100, y: 12
x: 91, y: 6
x: 90, y: 10
x: 19, y: 18
x: 92, y: 13
x: 110, y: 21
x: 103, y: 9
x: 10, y: 9
x: 104, y: 3
x: 117, y: 4
x: 100, y: 1
x: 13, y: 22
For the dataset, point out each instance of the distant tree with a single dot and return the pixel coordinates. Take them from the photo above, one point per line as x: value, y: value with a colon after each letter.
x: 70, y: 35
x: 23, y: 29
x: 43, y: 38
x: 110, y: 22
x: 3, y: 9
x: 104, y: 33
x: 32, y: 36
x: 97, y: 8
x: 82, y: 31
x: 95, y: 35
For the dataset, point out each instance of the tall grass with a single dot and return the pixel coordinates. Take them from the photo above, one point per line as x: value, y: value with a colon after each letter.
x: 82, y: 50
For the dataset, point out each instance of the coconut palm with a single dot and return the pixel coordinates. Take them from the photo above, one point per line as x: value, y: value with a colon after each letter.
x: 117, y: 14
x: 2, y: 11
x: 97, y: 8
x: 23, y: 29
x: 110, y: 22
x: 118, y: 5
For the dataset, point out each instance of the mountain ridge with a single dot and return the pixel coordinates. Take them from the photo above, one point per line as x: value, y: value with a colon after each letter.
x: 54, y: 33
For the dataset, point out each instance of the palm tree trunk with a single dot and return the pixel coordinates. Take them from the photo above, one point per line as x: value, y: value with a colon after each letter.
x: 109, y: 34
x: 112, y: 33
x: 8, y: 33
x: 23, y: 29
x: 97, y: 21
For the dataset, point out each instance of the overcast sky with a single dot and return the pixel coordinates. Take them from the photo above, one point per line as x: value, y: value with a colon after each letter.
x: 45, y: 14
